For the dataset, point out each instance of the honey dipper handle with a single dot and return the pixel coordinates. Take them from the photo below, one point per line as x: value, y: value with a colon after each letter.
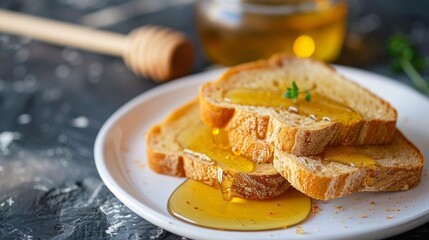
x: 64, y: 34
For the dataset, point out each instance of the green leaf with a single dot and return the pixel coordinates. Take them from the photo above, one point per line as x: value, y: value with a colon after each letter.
x: 294, y: 92
x: 401, y: 48
x: 405, y: 57
x: 295, y: 98
x: 308, y: 96
x: 295, y: 87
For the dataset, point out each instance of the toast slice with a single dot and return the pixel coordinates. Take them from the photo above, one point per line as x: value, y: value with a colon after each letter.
x: 168, y: 155
x: 350, y: 115
x: 396, y: 166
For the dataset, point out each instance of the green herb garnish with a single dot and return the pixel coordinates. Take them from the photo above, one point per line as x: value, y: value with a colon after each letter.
x: 308, y: 96
x: 293, y: 93
x: 405, y: 58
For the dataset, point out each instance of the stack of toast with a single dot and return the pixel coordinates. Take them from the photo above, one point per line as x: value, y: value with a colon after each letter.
x: 244, y: 136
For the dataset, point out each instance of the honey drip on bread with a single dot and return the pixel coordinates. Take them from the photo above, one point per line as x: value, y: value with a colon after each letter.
x: 207, y: 206
x: 349, y: 156
x: 320, y: 108
x: 200, y: 139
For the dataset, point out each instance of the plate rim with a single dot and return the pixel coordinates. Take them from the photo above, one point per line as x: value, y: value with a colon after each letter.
x: 158, y: 218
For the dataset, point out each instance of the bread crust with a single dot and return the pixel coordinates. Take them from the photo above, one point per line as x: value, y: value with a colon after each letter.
x: 402, y: 175
x: 163, y: 163
x: 263, y: 183
x: 255, y: 185
x: 292, y: 139
x: 285, y: 153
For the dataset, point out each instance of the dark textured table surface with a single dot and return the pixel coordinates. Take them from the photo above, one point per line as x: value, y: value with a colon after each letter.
x: 54, y: 100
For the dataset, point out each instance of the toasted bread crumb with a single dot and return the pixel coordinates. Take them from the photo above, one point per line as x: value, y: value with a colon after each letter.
x: 299, y: 230
x: 363, y: 216
x: 139, y: 164
x: 315, y: 208
x: 372, y: 203
x: 392, y: 210
x: 337, y: 207
x: 389, y: 217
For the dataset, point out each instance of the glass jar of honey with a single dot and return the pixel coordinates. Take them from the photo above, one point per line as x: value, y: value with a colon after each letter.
x: 237, y: 31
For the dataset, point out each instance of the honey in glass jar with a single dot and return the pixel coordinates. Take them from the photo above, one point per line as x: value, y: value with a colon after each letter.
x: 237, y: 31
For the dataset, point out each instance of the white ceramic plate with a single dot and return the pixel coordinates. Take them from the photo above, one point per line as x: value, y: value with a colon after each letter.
x: 120, y: 156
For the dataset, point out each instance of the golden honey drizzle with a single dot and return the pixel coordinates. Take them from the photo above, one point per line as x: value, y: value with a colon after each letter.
x: 320, y: 107
x: 349, y: 156
x: 214, y: 144
x: 206, y: 206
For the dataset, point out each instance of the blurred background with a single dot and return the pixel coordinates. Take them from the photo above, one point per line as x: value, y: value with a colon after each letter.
x: 54, y: 99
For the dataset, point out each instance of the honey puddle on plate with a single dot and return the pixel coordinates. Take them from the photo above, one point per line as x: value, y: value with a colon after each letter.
x: 206, y: 206
x: 203, y: 205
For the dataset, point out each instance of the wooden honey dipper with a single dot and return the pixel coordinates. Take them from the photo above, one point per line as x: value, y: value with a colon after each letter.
x: 150, y: 51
